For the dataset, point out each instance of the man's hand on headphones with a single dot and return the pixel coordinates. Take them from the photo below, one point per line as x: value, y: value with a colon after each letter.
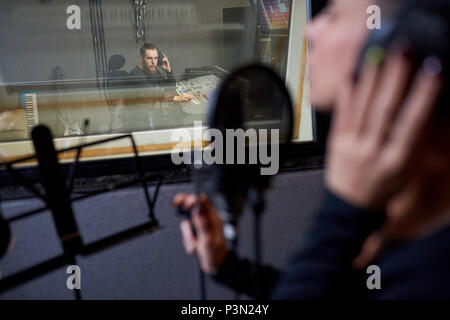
x: 166, y: 63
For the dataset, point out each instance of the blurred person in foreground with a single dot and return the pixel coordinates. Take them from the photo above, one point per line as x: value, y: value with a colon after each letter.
x: 387, y: 178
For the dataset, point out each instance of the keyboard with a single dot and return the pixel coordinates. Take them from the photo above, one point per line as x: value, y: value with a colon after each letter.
x: 31, y: 110
x: 200, y: 88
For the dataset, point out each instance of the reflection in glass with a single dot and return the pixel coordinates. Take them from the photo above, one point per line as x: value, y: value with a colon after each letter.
x: 128, y: 69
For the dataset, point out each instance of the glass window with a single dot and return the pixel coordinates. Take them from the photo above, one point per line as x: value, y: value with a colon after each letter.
x: 141, y: 67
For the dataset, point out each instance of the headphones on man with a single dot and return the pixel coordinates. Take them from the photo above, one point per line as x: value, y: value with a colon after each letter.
x: 160, y: 57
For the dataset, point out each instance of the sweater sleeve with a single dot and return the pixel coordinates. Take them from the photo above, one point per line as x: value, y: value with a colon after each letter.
x: 169, y: 81
x: 169, y: 84
x: 244, y: 277
x: 322, y: 269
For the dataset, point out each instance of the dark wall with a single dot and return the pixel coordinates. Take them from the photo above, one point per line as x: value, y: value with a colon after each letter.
x: 153, y: 266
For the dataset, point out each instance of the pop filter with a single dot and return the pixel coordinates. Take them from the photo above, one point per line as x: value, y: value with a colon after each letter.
x: 253, y: 97
x: 251, y: 100
x: 251, y: 115
x: 254, y: 107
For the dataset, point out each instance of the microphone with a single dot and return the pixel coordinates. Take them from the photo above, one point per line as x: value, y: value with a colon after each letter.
x: 252, y: 100
x: 252, y: 106
x: 57, y: 195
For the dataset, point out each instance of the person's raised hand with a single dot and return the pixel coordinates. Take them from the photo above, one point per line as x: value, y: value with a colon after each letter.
x: 377, y: 125
x: 166, y: 64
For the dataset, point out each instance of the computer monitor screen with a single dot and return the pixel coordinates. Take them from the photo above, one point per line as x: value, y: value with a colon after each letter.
x: 274, y: 14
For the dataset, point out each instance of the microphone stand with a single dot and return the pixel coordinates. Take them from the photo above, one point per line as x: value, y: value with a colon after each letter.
x: 230, y: 208
x: 201, y: 283
x: 57, y: 195
x: 258, y: 206
x: 234, y: 247
x: 201, y: 274
x: 231, y: 234
x: 58, y: 199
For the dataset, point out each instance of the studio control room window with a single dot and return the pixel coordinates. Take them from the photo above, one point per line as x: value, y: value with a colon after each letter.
x: 142, y: 67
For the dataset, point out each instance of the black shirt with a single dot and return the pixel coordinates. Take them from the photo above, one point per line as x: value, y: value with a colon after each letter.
x: 162, y: 78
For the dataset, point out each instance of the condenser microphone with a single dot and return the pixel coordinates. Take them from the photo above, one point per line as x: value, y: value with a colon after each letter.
x: 251, y: 100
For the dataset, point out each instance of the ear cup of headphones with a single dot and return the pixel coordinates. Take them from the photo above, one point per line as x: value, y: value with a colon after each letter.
x: 5, y: 236
x: 160, y: 58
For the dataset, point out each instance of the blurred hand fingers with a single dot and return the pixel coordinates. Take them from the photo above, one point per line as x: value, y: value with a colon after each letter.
x: 364, y: 91
x: 209, y: 212
x: 369, y: 251
x: 394, y: 81
x: 342, y: 115
x: 205, y: 219
x: 418, y: 108
x: 189, y: 240
x: 201, y: 224
x: 189, y: 202
x: 178, y: 200
x: 184, y: 201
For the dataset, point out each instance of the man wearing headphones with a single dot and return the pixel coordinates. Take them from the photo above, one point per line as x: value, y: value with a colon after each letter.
x: 155, y: 70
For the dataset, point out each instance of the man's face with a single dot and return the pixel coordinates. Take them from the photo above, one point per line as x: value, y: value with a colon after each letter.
x: 337, y: 36
x: 149, y: 61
